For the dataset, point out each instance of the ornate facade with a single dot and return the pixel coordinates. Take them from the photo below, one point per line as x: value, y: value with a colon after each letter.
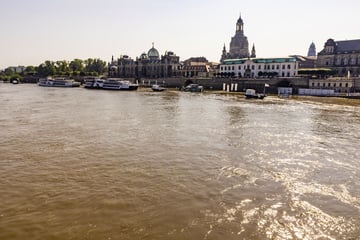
x: 147, y: 65
x: 239, y: 45
x: 341, y: 56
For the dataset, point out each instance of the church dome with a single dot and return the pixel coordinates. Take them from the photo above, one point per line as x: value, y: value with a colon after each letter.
x: 153, y: 54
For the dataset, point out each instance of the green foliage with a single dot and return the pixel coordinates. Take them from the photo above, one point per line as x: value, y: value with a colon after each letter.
x: 77, y: 67
x: 9, y: 71
x: 15, y: 77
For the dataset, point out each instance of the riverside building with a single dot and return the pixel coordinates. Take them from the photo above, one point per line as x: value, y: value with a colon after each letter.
x: 343, y: 57
x: 259, y: 67
x: 147, y: 65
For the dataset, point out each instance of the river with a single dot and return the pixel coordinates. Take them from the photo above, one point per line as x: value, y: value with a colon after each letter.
x: 92, y: 164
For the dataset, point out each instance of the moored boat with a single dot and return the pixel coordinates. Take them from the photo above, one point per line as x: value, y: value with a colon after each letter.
x: 193, y: 88
x: 58, y: 82
x: 94, y: 83
x: 251, y: 93
x: 115, y: 84
x: 157, y: 88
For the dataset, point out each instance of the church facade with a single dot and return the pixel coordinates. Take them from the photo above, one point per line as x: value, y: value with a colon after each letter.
x: 343, y: 57
x: 239, y: 45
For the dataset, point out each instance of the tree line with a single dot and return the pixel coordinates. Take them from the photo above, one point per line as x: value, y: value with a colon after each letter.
x: 76, y: 67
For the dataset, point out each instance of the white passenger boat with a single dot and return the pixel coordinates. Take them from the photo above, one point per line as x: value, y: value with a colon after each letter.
x: 94, y: 83
x: 58, y: 82
x: 115, y: 84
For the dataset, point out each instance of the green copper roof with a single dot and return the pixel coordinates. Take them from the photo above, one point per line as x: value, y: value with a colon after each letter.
x: 259, y: 60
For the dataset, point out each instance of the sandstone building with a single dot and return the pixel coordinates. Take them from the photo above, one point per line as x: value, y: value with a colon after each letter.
x: 147, y: 65
x: 343, y: 57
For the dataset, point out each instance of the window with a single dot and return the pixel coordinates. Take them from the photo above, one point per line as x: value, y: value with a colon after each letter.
x: 289, y: 66
x: 252, y: 67
x: 233, y: 68
x: 340, y: 85
x: 272, y: 67
x: 259, y: 67
x: 283, y: 66
x: 334, y: 84
x: 277, y: 67
x: 318, y: 84
x: 346, y: 85
x: 338, y: 61
x: 313, y: 84
x: 346, y: 61
x: 323, y: 84
x: 329, y: 85
x: 239, y: 67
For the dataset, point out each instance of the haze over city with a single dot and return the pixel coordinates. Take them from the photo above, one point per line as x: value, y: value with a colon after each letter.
x: 39, y: 30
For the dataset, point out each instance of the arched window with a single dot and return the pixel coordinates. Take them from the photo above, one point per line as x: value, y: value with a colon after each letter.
x: 338, y: 61
x: 353, y: 61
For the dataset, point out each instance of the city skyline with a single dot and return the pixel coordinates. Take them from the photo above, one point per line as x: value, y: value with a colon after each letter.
x: 39, y: 30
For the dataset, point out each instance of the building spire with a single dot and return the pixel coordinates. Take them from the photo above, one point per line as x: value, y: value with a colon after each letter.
x: 253, y: 52
x: 312, y: 50
x: 240, y: 25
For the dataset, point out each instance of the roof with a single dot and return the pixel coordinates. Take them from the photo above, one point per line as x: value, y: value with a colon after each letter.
x: 259, y: 60
x: 348, y: 45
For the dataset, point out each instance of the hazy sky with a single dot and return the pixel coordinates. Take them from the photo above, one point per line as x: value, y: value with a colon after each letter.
x: 33, y: 31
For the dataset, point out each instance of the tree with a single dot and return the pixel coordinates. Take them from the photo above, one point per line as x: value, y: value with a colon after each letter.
x: 9, y: 71
x: 46, y: 69
x: 30, y: 70
x: 77, y: 65
x: 95, y: 66
x: 63, y: 67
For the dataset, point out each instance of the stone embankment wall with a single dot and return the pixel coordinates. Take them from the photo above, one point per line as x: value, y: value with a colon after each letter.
x: 233, y: 84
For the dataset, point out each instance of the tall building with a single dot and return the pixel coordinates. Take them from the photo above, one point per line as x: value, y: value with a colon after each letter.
x: 343, y: 57
x: 239, y: 45
x: 312, y: 50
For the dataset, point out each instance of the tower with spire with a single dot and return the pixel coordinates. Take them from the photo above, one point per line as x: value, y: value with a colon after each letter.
x: 312, y: 50
x: 253, y: 52
x: 239, y: 45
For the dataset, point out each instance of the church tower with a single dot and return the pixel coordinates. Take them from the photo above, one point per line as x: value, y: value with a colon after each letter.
x: 239, y: 45
x: 224, y: 54
x: 312, y: 50
x: 253, y: 52
x: 240, y: 26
